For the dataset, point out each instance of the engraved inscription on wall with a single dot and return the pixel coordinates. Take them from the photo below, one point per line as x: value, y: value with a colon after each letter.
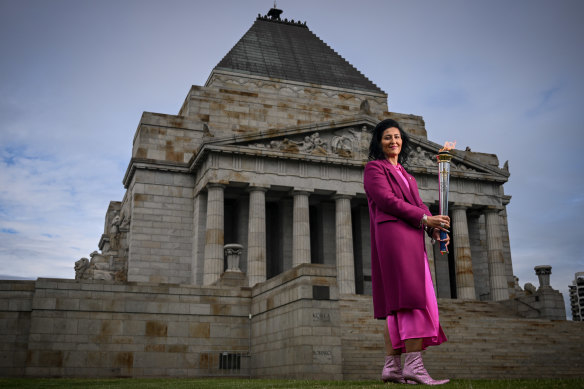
x: 321, y: 316
x: 322, y: 356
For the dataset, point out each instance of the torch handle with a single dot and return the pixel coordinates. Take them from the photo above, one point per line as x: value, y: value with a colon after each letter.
x: 443, y: 248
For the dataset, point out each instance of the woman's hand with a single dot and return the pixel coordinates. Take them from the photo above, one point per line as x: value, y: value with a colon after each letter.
x: 436, y: 237
x: 441, y: 222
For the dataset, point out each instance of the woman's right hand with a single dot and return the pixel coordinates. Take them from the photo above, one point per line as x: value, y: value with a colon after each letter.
x: 441, y: 222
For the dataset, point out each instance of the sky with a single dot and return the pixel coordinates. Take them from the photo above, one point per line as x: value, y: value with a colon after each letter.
x: 499, y: 76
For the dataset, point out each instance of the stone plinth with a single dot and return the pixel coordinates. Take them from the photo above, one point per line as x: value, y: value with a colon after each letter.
x: 543, y: 273
x: 296, y: 326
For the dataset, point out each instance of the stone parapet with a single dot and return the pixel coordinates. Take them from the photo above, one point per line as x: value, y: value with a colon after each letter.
x: 102, y: 329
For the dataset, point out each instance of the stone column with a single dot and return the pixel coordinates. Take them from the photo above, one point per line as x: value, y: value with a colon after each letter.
x: 199, y: 219
x: 465, y: 288
x: 300, y: 229
x: 497, y: 277
x: 214, y: 237
x: 344, y: 239
x: 431, y: 264
x: 256, y: 236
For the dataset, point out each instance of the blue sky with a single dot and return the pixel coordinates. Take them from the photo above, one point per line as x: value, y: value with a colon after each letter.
x: 502, y: 77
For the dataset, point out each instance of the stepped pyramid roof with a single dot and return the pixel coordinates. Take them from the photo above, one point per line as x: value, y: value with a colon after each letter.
x: 288, y: 50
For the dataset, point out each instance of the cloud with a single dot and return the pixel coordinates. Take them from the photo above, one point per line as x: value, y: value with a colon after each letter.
x: 500, y: 77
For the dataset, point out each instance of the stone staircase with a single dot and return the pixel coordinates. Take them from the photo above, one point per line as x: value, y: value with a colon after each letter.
x: 485, y: 340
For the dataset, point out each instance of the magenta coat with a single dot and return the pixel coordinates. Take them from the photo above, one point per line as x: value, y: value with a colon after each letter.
x: 397, y: 240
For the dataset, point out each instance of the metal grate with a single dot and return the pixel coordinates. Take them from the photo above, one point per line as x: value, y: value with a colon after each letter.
x: 225, y: 364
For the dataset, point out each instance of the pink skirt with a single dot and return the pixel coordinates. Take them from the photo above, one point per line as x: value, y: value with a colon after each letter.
x: 418, y: 323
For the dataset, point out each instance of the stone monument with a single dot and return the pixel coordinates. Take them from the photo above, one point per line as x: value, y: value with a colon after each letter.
x: 241, y: 245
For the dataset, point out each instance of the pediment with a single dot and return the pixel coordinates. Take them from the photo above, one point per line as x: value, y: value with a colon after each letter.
x: 350, y: 140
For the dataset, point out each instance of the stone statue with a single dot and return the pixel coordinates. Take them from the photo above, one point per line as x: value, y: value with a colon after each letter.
x: 307, y: 146
x: 114, y: 233
x: 81, y: 267
x: 98, y: 268
x: 529, y: 288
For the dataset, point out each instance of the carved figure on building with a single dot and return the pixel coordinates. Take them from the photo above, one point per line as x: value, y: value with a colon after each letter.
x: 420, y: 157
x: 98, y: 268
x: 361, y: 142
x: 342, y: 146
x: 81, y: 267
x: 517, y: 288
x: 529, y: 288
x: 114, y: 232
x: 125, y: 224
x: 320, y: 147
x: 459, y: 166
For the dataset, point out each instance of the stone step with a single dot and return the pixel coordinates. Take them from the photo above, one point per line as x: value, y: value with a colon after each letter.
x: 485, y: 340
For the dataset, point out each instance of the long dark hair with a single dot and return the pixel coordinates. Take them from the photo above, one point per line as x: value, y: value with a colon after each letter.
x: 375, y: 149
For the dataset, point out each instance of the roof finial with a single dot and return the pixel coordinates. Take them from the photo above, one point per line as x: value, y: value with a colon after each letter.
x: 274, y: 13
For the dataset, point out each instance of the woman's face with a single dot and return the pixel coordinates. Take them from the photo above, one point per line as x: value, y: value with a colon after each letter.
x: 391, y: 143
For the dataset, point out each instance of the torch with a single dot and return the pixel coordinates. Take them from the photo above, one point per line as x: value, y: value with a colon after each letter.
x: 444, y: 158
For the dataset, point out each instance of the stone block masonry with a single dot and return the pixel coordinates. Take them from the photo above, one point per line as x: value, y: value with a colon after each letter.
x: 486, y: 340
x: 102, y: 329
x: 15, y: 320
x: 160, y: 238
x: 300, y: 327
x: 295, y: 325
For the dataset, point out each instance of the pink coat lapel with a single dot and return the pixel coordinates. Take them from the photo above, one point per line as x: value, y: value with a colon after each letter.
x: 405, y: 190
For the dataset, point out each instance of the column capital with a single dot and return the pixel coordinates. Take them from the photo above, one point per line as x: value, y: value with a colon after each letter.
x: 493, y: 209
x: 460, y: 206
x: 301, y: 191
x: 342, y: 196
x: 506, y: 200
x: 257, y: 188
x: 215, y: 185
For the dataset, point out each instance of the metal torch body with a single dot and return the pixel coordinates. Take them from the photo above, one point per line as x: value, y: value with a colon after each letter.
x: 444, y: 158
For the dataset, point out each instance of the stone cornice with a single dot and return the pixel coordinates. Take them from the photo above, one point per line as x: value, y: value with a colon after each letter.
x: 238, y: 145
x: 223, y: 72
x: 151, y: 164
x: 229, y: 149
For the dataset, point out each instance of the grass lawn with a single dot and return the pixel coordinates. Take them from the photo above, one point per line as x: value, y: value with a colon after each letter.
x: 41, y: 383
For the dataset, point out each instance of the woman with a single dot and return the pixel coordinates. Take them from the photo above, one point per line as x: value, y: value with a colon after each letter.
x: 403, y: 293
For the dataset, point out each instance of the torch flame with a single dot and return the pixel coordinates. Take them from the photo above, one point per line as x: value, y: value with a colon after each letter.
x: 448, y: 146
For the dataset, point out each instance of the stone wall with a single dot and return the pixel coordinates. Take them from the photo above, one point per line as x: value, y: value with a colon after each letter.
x: 296, y: 326
x: 161, y: 230
x: 15, y: 319
x: 99, y: 329
x: 299, y: 327
x: 231, y: 103
x: 168, y: 138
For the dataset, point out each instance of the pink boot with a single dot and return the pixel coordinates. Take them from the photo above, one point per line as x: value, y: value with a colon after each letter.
x: 414, y: 370
x: 392, y: 370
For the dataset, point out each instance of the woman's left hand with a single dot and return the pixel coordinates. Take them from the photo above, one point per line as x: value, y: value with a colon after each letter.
x: 436, y: 237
